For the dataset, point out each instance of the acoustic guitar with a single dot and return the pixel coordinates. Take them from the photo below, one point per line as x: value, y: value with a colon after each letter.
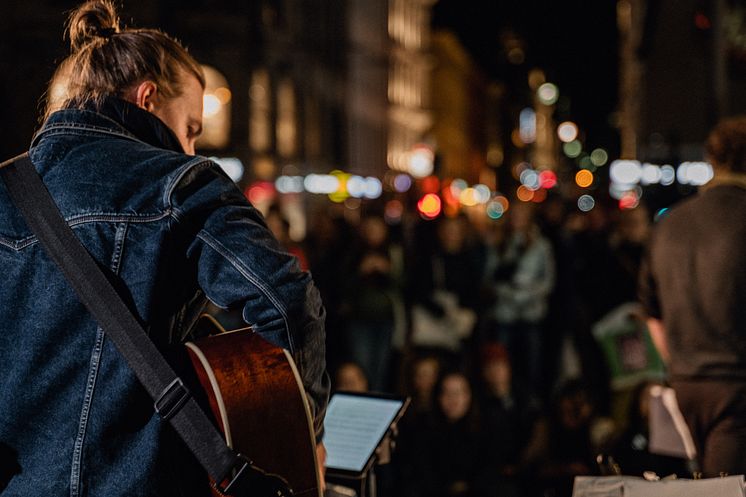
x: 256, y: 396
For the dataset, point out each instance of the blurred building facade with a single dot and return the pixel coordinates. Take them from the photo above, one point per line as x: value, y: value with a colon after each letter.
x: 669, y: 102
x: 460, y: 97
x: 294, y: 86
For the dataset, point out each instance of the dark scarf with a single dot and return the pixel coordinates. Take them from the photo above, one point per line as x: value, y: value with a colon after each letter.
x: 141, y: 123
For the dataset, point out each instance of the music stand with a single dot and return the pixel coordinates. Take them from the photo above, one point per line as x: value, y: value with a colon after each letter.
x: 359, y: 429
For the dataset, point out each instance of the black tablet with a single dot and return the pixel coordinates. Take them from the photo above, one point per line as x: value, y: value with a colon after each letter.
x: 355, y: 425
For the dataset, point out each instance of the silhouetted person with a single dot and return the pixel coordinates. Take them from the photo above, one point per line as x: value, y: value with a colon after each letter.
x: 693, y: 286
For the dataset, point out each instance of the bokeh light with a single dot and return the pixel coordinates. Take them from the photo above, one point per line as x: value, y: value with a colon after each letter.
x: 530, y: 179
x: 572, y: 149
x: 495, y: 210
x: 585, y: 163
x: 429, y: 206
x: 629, y: 200
x: 539, y: 196
x: 524, y: 194
x: 210, y: 105
x: 482, y: 193
x: 502, y: 200
x: 567, y: 131
x: 468, y: 197
x: 599, y: 157
x: 402, y: 183
x: 393, y: 211
x: 694, y: 173
x: 548, y: 179
x: 373, y: 188
x: 668, y: 175
x: 260, y: 192
x: 584, y: 178
x: 289, y: 184
x: 519, y: 168
x: 651, y: 174
x: 548, y: 93
x: 421, y: 161
x: 660, y: 214
x: 586, y: 203
x: 625, y: 171
x: 431, y: 184
x: 356, y: 186
x: 457, y: 186
x: 527, y: 125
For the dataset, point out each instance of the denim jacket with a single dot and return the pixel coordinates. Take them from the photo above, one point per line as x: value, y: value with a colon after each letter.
x: 172, y: 229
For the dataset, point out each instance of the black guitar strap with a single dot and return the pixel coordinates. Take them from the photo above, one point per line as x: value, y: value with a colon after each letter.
x: 231, y: 471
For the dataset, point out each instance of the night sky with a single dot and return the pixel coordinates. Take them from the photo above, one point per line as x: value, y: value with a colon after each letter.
x: 573, y: 41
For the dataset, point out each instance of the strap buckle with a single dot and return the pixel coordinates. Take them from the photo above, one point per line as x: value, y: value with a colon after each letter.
x: 237, y: 472
x: 171, y: 399
x: 258, y: 480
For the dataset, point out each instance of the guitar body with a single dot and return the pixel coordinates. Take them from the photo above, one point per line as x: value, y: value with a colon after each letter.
x: 257, y: 398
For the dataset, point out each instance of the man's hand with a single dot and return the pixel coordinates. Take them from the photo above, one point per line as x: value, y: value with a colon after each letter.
x: 321, y: 462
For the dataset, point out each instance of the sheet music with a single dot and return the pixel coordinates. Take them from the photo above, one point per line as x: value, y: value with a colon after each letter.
x: 354, y: 427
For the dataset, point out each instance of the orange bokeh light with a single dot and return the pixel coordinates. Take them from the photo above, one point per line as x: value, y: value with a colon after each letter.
x: 584, y: 178
x: 429, y: 205
x: 524, y: 194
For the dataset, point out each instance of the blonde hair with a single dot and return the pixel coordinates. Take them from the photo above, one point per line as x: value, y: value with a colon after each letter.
x: 107, y: 60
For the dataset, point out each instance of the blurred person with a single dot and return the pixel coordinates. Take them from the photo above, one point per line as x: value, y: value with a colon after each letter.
x: 425, y: 371
x: 325, y: 246
x: 508, y: 414
x: 372, y: 293
x: 565, y: 443
x: 692, y: 285
x: 522, y: 274
x: 449, y: 454
x: 562, y: 317
x: 350, y: 377
x: 445, y: 287
x: 507, y: 409
x: 627, y: 242
x: 171, y: 229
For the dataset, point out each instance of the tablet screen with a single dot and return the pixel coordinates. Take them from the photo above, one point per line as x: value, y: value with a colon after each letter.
x: 355, y: 425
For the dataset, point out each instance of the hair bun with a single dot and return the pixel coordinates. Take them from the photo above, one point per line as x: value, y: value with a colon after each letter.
x: 94, y: 19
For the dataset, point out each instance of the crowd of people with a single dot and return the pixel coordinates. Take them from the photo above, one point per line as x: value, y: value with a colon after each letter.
x: 491, y: 327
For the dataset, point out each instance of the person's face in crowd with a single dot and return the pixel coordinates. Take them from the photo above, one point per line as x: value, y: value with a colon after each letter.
x: 575, y: 411
x: 351, y: 378
x: 374, y: 231
x: 182, y: 113
x: 498, y: 375
x: 455, y: 397
x: 425, y: 376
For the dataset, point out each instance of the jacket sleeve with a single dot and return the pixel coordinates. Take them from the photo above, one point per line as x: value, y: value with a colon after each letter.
x: 239, y: 264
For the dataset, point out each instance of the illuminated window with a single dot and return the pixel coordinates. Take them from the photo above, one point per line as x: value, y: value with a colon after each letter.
x: 287, y: 129
x: 260, y: 126
x: 216, y: 112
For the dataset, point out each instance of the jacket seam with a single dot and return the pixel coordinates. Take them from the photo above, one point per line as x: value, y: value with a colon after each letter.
x: 73, y: 221
x: 68, y: 126
x: 252, y: 277
x: 94, y: 366
x: 180, y: 173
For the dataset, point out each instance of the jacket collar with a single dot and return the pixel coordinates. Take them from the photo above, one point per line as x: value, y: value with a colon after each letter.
x: 113, y: 116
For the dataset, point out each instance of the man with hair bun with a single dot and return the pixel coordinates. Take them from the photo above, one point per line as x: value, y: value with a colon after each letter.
x: 693, y: 284
x: 117, y: 154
